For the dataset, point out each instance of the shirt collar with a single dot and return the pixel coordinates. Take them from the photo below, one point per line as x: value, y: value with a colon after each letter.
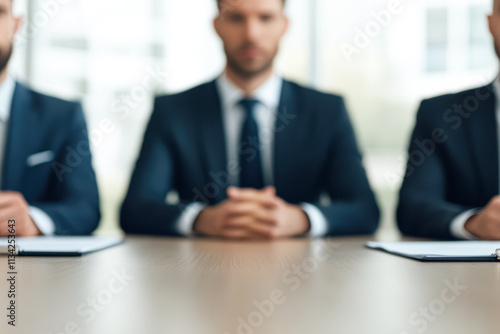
x: 6, y: 93
x: 268, y: 93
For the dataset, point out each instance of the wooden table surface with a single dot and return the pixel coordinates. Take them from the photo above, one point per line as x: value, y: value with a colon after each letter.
x: 162, y: 285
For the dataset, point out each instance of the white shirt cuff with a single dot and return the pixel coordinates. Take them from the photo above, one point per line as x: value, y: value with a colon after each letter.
x: 188, y: 217
x: 458, y: 225
x: 319, y: 224
x: 42, y: 220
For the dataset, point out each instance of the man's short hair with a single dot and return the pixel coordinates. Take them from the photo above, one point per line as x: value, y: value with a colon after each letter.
x: 219, y: 1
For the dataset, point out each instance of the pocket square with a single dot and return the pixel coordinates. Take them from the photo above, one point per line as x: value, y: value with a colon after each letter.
x: 39, y: 158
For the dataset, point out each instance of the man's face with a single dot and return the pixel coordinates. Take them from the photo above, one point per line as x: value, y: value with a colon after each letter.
x: 250, y: 31
x: 494, y: 25
x: 8, y: 28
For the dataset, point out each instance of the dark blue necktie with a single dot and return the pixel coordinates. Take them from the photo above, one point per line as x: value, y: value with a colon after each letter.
x: 251, y: 175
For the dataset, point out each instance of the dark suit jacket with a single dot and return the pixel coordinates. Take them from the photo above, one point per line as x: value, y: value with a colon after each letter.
x: 184, y: 149
x: 458, y: 171
x: 63, y: 187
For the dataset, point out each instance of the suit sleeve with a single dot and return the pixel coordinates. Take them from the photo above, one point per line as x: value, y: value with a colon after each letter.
x: 144, y: 210
x: 353, y: 209
x: 423, y: 210
x: 73, y: 201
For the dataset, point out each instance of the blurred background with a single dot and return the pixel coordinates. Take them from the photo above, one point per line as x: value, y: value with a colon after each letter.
x: 382, y: 58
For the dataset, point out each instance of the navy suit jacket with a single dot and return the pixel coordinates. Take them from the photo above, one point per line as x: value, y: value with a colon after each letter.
x: 63, y: 187
x: 456, y: 170
x: 184, y: 149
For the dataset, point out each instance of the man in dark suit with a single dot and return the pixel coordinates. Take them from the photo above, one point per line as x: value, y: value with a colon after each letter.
x: 250, y: 154
x: 451, y: 186
x: 47, y: 182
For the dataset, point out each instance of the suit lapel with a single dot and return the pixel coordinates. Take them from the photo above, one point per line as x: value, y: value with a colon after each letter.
x: 484, y: 134
x: 285, y: 149
x: 20, y: 129
x: 213, y: 140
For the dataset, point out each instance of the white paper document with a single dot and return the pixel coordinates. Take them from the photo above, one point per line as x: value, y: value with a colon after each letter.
x: 57, y: 246
x: 442, y: 250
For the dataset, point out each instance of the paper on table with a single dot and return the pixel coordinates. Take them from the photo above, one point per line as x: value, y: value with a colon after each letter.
x: 59, y: 245
x: 442, y: 251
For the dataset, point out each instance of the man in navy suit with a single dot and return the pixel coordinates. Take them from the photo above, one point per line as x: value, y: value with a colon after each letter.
x: 47, y: 182
x: 250, y: 154
x: 451, y: 186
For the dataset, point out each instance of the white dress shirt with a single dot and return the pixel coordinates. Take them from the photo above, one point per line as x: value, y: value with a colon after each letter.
x: 41, y: 219
x: 268, y: 95
x: 458, y: 224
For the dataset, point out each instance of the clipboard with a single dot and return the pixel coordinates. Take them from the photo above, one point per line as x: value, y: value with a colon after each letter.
x: 442, y: 251
x: 56, y: 245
